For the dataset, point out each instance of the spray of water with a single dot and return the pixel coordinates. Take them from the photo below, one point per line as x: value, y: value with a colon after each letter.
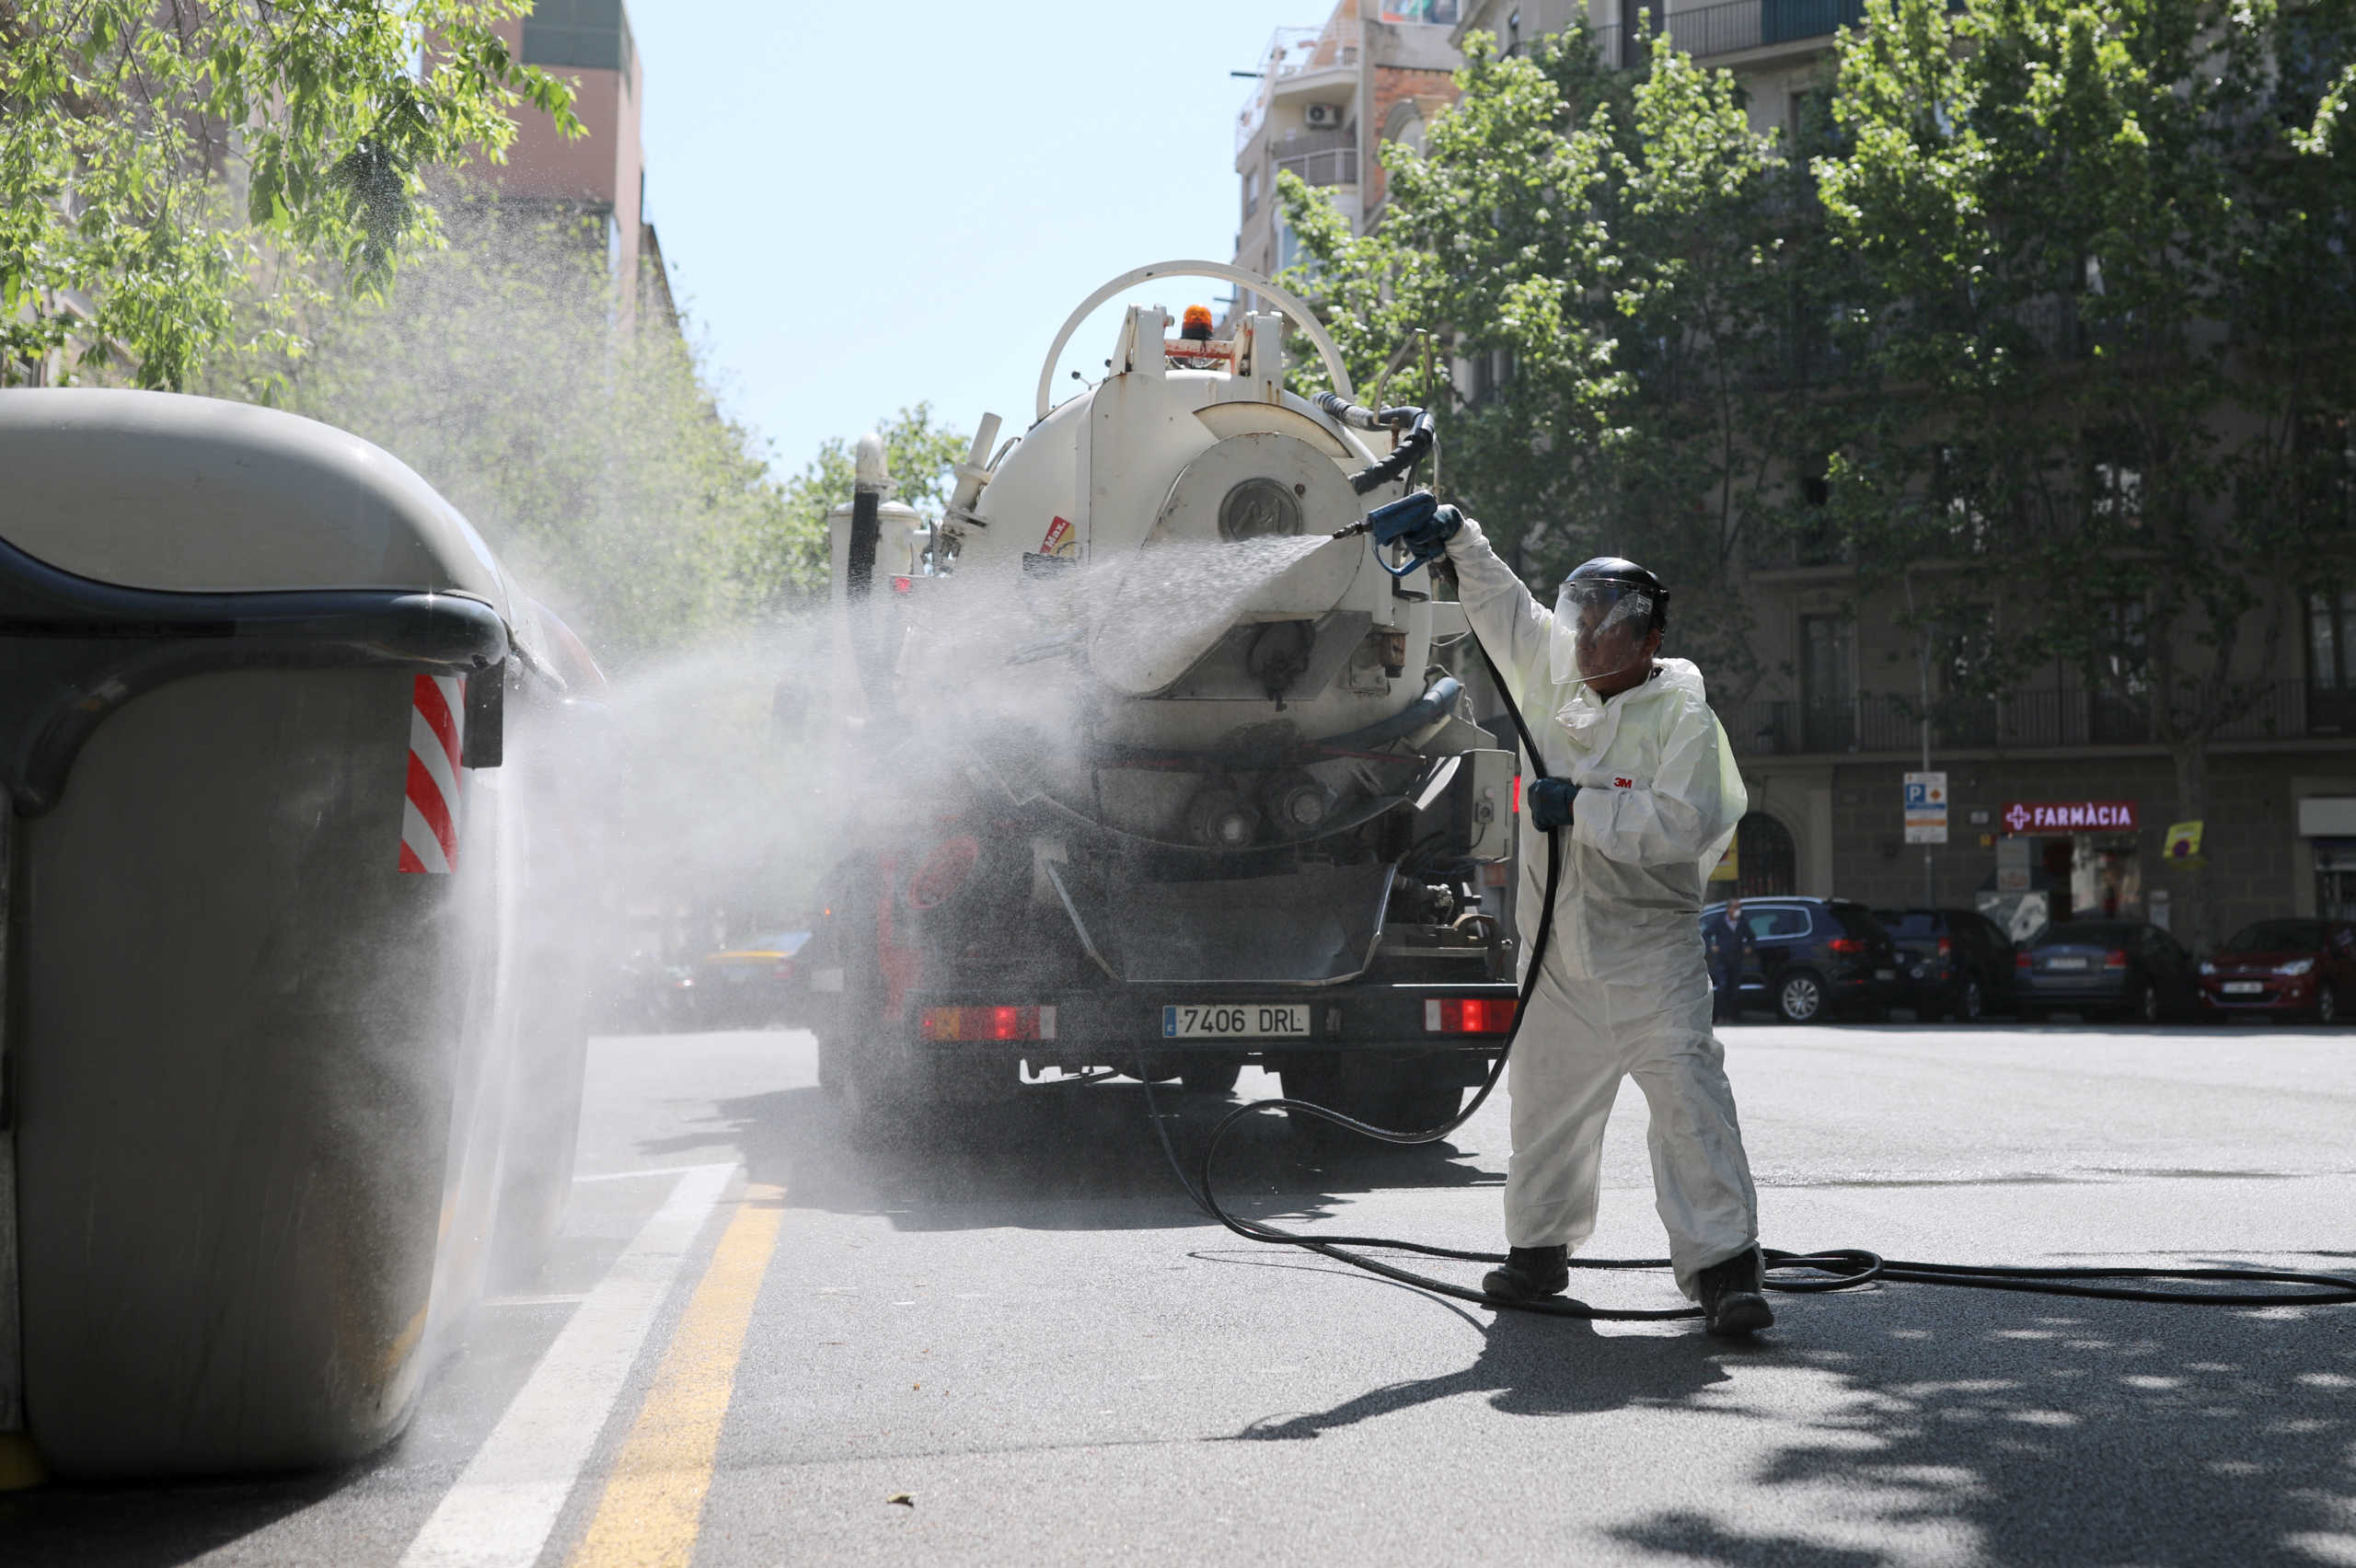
x: 703, y: 796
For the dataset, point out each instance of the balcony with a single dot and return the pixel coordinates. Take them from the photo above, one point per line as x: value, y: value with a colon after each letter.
x: 1702, y: 31
x: 1292, y: 53
x: 2279, y: 711
x: 1330, y: 166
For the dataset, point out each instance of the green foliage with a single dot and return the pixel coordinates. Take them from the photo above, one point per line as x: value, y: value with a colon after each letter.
x: 2104, y: 286
x: 920, y: 455
x: 1626, y: 242
x: 593, y: 458
x: 2105, y: 250
x: 179, y: 181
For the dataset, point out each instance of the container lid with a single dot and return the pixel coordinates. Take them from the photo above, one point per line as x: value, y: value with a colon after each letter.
x: 162, y: 491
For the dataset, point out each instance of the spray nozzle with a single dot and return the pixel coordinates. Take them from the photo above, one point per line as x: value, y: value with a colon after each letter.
x: 1417, y: 523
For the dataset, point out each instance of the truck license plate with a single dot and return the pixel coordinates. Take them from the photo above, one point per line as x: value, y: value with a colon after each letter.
x: 1234, y: 1020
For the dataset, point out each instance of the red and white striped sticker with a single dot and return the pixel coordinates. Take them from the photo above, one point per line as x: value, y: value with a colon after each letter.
x: 437, y: 718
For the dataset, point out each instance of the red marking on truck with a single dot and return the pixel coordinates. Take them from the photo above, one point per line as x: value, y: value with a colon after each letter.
x: 429, y: 797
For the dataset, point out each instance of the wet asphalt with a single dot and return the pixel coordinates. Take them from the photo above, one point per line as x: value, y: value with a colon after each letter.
x: 1021, y: 1328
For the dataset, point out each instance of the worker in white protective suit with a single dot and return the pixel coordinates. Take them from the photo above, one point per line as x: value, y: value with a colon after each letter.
x: 1643, y: 789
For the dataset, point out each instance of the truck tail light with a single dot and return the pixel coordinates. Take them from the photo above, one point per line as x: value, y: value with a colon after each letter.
x: 1947, y: 946
x: 1468, y: 1015
x: 989, y: 1023
x: 1847, y: 946
x: 2115, y: 959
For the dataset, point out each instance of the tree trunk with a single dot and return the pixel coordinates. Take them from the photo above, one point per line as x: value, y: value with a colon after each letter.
x: 2191, y: 758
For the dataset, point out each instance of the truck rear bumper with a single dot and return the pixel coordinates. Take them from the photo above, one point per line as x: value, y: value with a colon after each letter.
x: 1104, y: 1025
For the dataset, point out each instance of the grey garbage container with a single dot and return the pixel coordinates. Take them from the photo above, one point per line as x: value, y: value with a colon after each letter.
x: 284, y: 1022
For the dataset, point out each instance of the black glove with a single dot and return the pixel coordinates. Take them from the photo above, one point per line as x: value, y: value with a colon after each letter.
x: 1550, y: 803
x: 1419, y: 522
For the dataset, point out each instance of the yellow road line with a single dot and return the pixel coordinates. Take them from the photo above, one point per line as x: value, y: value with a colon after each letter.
x: 652, y: 1506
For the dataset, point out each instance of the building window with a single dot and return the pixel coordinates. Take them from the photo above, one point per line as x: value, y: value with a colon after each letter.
x: 1489, y: 373
x: 2114, y: 479
x: 1250, y: 192
x: 2326, y: 445
x: 1828, y: 683
x: 2329, y: 618
x: 590, y: 33
x: 2331, y: 662
x: 1958, y: 480
x: 1287, y: 244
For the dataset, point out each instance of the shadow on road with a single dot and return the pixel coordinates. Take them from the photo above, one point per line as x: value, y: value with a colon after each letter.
x: 1071, y: 1156
x: 1533, y: 1366
x: 147, y: 1526
x: 2066, y: 1433
x: 2007, y: 1430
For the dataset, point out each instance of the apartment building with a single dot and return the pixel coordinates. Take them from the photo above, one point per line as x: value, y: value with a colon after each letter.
x: 1324, y: 101
x: 602, y: 174
x: 2059, y: 800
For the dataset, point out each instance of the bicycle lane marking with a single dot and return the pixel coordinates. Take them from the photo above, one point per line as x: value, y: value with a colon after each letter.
x: 502, y: 1508
x: 652, y: 1512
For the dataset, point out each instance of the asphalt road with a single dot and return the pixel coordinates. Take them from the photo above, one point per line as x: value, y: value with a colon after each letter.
x: 752, y: 1340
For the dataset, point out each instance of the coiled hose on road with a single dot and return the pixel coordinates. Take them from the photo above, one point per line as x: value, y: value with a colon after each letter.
x: 1838, y: 1268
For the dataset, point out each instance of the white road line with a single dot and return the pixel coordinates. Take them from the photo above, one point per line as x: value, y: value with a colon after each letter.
x: 500, y: 1513
x: 634, y: 1175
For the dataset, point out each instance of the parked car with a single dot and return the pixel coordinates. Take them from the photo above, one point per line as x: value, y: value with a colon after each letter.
x: 2282, y: 968
x: 1951, y: 963
x: 645, y: 994
x: 754, y: 983
x: 1816, y: 957
x: 2122, y: 968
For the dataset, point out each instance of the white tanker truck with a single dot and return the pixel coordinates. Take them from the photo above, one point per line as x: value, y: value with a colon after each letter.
x: 1145, y: 771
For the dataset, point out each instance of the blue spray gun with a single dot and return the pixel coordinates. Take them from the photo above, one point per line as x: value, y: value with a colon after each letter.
x: 1418, y: 524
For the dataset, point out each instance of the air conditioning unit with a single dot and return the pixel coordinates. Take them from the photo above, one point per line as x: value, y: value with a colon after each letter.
x: 1324, y: 116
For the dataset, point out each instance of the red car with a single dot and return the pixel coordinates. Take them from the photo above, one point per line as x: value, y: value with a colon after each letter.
x: 2276, y: 968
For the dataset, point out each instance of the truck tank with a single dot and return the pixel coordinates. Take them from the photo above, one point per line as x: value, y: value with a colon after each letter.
x: 1146, y: 771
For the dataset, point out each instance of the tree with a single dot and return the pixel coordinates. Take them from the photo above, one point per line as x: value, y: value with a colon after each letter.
x: 1632, y: 271
x: 594, y: 459
x: 179, y: 180
x: 920, y: 455
x: 2104, y: 247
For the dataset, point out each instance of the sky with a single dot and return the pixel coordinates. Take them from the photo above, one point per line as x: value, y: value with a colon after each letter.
x: 867, y: 206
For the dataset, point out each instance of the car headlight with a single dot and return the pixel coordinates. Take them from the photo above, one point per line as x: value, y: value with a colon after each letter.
x: 2206, y: 967
x: 2296, y: 966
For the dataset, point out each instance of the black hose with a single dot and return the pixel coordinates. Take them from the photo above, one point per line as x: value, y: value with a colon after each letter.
x: 1413, y: 445
x: 1839, y: 1268
x: 859, y: 581
x: 1437, y: 703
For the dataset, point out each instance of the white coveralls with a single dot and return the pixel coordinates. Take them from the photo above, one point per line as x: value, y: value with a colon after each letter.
x: 1626, y: 987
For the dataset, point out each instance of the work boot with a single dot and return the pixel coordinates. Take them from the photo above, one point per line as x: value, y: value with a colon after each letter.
x: 1529, y: 1273
x: 1733, y: 1303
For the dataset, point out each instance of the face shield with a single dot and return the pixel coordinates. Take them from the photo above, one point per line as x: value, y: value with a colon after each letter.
x: 1601, y: 629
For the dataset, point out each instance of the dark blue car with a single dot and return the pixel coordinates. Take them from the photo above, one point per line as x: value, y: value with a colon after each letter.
x: 1814, y: 958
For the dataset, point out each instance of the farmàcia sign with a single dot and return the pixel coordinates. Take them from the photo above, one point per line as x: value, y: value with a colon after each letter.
x: 2068, y: 816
